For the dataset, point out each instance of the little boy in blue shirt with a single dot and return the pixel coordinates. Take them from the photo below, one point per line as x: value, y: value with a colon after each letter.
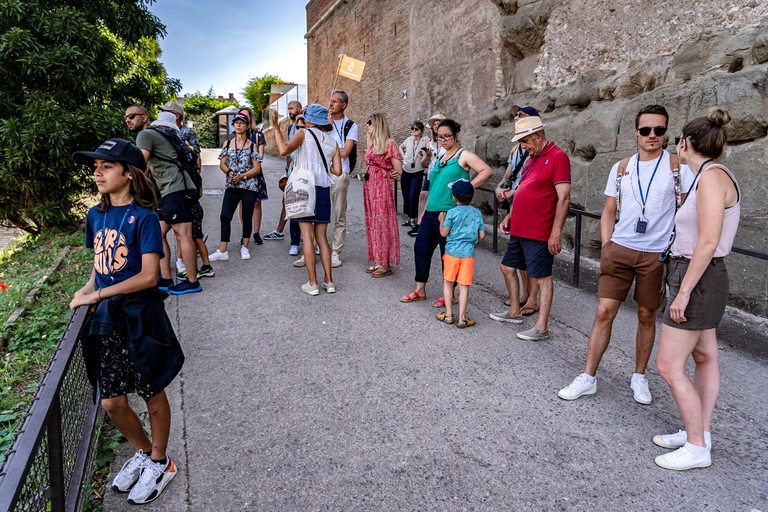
x: 463, y: 228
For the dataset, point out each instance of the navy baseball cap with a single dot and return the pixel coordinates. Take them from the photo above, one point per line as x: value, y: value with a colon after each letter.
x: 528, y: 110
x: 113, y: 150
x: 462, y: 189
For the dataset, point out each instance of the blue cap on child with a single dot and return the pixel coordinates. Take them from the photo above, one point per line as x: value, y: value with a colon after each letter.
x: 462, y: 189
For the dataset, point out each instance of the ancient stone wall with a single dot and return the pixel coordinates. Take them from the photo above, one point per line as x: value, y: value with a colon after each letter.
x: 588, y: 67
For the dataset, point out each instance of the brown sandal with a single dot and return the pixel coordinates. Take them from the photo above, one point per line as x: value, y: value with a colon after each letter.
x: 382, y: 273
x: 372, y: 268
x: 443, y: 317
x: 465, y: 322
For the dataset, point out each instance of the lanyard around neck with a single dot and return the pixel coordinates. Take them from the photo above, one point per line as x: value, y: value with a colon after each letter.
x: 542, y: 152
x: 643, y: 199
x: 117, y: 238
x: 340, y: 131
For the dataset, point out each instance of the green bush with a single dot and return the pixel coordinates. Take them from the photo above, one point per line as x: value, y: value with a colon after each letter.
x: 201, y: 109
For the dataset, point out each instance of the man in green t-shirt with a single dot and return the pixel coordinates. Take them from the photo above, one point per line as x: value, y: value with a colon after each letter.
x: 175, y: 202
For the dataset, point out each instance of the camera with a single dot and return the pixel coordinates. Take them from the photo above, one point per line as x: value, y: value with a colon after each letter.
x: 413, y: 165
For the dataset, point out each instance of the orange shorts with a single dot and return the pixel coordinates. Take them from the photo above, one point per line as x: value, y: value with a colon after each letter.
x: 458, y: 270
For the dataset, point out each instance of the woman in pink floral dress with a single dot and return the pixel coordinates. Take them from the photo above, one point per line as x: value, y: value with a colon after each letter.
x: 384, y: 164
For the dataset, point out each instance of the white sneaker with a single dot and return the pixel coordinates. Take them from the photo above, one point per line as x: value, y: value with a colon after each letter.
x: 245, y: 254
x: 180, y: 265
x: 219, y: 256
x: 129, y: 474
x: 686, y: 457
x: 294, y: 250
x: 300, y: 262
x: 309, y: 289
x: 154, y: 477
x: 579, y: 387
x: 317, y: 250
x: 329, y: 287
x: 639, y: 385
x: 679, y: 439
x: 335, y: 260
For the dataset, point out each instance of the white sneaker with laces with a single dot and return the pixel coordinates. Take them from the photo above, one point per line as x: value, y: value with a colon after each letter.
x: 311, y: 290
x: 579, y: 387
x: 180, y: 265
x: 154, y: 477
x: 329, y: 287
x: 335, y: 260
x: 219, y: 256
x: 294, y: 250
x: 639, y: 385
x: 679, y: 439
x: 686, y: 457
x: 129, y: 473
x: 300, y: 262
x: 245, y: 254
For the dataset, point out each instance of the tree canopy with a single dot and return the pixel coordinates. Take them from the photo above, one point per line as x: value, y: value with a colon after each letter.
x: 68, y: 68
x: 257, y: 91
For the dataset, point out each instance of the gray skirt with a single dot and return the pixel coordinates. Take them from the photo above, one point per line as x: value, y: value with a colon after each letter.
x: 708, y: 299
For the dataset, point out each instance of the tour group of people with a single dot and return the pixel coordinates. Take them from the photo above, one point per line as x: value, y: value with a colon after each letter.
x: 664, y: 228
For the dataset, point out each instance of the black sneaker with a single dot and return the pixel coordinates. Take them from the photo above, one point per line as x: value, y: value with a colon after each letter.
x: 257, y: 239
x: 164, y: 284
x: 185, y: 287
x: 414, y: 231
x: 206, y: 271
x: 181, y: 276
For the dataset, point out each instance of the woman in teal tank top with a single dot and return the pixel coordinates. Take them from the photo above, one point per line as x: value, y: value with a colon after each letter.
x: 455, y: 164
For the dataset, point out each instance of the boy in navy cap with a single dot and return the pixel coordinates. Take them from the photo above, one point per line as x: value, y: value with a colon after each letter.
x: 463, y: 228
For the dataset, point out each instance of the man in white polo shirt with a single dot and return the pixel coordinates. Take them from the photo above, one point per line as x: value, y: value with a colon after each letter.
x: 646, y: 191
x: 345, y: 133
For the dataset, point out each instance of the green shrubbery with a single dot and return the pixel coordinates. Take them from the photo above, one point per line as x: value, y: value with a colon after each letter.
x: 201, y: 109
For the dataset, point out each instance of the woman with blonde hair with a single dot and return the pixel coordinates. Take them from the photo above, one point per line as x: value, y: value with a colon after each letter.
x: 705, y: 226
x: 384, y: 164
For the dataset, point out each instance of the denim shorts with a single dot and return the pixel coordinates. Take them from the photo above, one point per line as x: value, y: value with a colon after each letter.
x: 530, y: 255
x: 322, y: 207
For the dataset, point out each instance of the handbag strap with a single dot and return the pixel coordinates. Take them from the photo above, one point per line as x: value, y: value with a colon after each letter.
x: 320, y: 149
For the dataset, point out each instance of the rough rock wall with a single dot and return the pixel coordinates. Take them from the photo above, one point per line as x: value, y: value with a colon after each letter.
x: 589, y: 66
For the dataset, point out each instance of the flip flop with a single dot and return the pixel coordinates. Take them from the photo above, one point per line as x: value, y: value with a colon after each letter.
x: 465, y: 322
x: 448, y: 319
x: 507, y: 303
x: 529, y: 311
x: 413, y: 297
x: 380, y: 273
x: 440, y: 303
x: 372, y: 268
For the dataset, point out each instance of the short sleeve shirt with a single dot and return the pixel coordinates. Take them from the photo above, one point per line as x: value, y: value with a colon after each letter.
x: 659, y: 198
x: 412, y: 157
x: 337, y: 133
x: 118, y: 244
x: 162, y: 156
x: 535, y: 202
x: 465, y: 222
x: 240, y: 160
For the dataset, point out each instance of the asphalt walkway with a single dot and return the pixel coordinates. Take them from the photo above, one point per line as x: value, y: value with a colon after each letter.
x: 355, y: 401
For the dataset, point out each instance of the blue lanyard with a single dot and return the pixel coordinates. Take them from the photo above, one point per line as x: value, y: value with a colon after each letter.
x: 117, y: 238
x: 648, y: 189
x: 340, y: 132
x: 534, y: 161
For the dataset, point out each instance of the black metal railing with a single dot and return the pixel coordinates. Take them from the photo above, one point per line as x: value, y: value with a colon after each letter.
x: 50, y: 462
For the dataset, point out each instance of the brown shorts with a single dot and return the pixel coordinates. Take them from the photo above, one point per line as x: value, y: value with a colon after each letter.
x: 620, y: 265
x: 708, y: 299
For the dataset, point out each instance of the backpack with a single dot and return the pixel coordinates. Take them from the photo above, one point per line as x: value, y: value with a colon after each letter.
x: 674, y: 164
x: 353, y: 153
x: 186, y: 158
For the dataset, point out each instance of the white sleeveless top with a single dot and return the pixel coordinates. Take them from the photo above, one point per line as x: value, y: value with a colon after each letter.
x: 308, y: 152
x: 687, y: 222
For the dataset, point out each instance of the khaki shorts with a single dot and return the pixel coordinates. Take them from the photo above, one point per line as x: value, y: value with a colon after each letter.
x: 620, y: 265
x: 708, y: 299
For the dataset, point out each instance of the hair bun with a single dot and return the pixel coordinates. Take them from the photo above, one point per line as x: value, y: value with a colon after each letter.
x: 719, y: 116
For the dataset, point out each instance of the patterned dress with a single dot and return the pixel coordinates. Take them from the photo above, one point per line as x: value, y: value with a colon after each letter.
x: 380, y: 216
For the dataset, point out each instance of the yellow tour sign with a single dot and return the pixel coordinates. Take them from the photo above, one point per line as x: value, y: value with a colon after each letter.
x: 351, y: 68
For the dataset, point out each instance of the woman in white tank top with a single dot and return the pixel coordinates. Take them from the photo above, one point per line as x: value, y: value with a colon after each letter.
x: 705, y: 227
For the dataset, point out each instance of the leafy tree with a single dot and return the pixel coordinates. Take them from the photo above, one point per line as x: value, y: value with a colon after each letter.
x: 200, y: 109
x: 67, y: 70
x: 257, y: 91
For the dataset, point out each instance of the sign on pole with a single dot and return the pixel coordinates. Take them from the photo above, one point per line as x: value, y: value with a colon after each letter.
x: 351, y: 68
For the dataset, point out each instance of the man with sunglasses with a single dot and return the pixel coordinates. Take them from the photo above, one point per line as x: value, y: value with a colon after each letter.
x: 645, y: 192
x: 136, y: 118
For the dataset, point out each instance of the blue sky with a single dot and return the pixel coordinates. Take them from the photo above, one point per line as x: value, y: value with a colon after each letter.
x: 224, y: 43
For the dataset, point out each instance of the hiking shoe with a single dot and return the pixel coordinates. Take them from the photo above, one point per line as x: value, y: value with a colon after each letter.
x: 506, y: 317
x: 245, y: 254
x: 219, y: 256
x: 257, y: 239
x: 185, y: 287
x: 311, y: 290
x: 335, y: 260
x: 129, y: 473
x: 639, y: 385
x: 679, y: 439
x: 164, y: 284
x: 300, y: 262
x: 154, y: 477
x: 206, y: 271
x: 686, y: 457
x: 182, y: 276
x: 180, y: 265
x: 329, y: 287
x: 533, y: 334
x: 274, y: 235
x: 293, y: 251
x: 579, y: 387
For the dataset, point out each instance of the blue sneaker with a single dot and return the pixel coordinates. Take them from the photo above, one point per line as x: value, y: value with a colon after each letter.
x: 185, y: 287
x: 181, y: 276
x: 164, y: 284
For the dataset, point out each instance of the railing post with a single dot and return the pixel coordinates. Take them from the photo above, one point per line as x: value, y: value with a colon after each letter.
x: 577, y: 251
x: 495, y: 224
x: 56, y: 456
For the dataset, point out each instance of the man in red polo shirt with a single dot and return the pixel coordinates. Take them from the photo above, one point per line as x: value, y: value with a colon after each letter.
x: 535, y: 224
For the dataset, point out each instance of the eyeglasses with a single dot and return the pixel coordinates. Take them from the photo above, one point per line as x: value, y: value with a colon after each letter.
x: 131, y: 116
x: 444, y: 137
x: 646, y: 130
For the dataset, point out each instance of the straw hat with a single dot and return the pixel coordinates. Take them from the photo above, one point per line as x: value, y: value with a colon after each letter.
x: 436, y: 117
x: 526, y: 126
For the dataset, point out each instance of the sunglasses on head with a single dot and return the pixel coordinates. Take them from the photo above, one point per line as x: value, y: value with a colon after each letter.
x: 646, y: 130
x: 368, y: 122
x: 131, y: 116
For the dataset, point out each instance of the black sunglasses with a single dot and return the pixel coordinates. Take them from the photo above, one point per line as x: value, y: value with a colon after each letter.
x: 678, y: 140
x: 131, y: 116
x: 646, y: 131
x: 368, y: 122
